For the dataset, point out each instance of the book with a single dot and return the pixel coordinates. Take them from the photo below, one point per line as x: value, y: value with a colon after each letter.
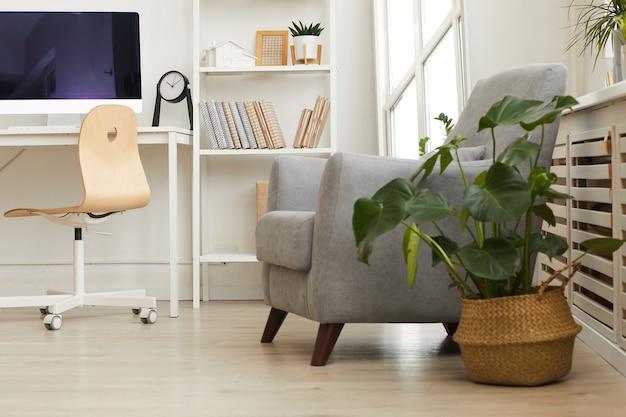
x: 321, y: 122
x: 217, y: 126
x: 204, y: 112
x: 310, y: 131
x: 305, y: 118
x: 263, y: 123
x: 230, y: 120
x: 255, y: 124
x: 276, y: 133
x: 243, y: 138
x: 224, y: 124
x: 245, y: 121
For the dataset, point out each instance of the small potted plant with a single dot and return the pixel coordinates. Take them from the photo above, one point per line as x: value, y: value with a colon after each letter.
x: 511, y: 331
x: 305, y: 39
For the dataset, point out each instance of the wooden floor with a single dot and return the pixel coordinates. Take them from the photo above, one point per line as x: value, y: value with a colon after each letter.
x: 209, y: 362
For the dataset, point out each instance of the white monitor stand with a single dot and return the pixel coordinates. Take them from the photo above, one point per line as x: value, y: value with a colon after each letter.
x: 72, y: 120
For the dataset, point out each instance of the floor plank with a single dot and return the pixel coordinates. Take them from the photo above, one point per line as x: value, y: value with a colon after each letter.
x: 209, y: 362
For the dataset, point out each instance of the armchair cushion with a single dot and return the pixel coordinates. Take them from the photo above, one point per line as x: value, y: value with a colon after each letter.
x: 285, y: 238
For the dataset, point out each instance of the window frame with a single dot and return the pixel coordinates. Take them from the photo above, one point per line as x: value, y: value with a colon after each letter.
x: 387, y: 98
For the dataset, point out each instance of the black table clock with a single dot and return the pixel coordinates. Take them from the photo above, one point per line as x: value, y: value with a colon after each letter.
x: 173, y: 87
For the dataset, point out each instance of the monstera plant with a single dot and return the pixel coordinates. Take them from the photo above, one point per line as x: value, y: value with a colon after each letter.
x: 510, y: 331
x: 498, y: 209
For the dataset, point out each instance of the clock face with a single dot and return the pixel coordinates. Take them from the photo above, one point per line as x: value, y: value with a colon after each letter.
x: 172, y: 86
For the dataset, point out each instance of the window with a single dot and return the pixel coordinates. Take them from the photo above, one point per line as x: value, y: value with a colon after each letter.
x: 420, y: 71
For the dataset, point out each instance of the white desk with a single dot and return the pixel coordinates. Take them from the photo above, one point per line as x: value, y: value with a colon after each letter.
x: 170, y: 136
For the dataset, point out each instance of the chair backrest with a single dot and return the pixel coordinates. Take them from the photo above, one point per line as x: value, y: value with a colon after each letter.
x: 113, y: 176
x: 534, y: 81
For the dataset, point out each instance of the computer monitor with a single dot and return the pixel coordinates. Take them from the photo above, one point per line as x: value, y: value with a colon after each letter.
x: 68, y: 62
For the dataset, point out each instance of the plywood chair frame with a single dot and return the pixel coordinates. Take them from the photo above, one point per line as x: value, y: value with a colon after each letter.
x: 113, y: 181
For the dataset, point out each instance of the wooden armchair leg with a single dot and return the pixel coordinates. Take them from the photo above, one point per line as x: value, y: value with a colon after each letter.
x: 274, y: 321
x: 327, y: 336
x: 450, y: 328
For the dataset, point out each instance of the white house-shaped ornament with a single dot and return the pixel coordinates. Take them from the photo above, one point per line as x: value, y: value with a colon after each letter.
x: 229, y: 54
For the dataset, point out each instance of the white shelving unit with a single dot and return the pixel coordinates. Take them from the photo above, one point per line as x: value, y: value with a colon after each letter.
x: 223, y: 201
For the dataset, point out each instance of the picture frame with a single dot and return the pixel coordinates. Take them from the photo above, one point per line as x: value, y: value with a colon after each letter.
x: 271, y: 47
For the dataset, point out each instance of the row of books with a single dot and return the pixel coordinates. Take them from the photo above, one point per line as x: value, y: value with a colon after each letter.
x: 242, y: 124
x: 311, y: 124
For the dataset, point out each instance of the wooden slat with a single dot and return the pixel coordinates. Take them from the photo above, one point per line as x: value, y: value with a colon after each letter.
x: 598, y: 312
x: 597, y: 263
x: 605, y: 331
x: 559, y: 152
x: 592, y: 217
x: 602, y: 133
x: 598, y: 288
x: 559, y: 170
x: 591, y: 172
x: 597, y: 194
x: 558, y: 229
x: 591, y: 149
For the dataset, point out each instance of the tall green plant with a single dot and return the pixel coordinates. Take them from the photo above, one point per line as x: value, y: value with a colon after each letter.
x: 498, y: 209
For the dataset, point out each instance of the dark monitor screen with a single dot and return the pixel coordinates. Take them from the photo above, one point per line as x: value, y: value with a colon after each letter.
x: 67, y: 62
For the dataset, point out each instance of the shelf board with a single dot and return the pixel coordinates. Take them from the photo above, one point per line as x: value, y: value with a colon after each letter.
x: 313, y: 68
x: 268, y: 152
x: 228, y: 257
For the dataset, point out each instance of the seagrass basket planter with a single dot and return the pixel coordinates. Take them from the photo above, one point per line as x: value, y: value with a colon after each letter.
x: 522, y: 340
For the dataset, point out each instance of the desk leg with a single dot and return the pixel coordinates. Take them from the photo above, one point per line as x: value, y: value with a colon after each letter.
x: 172, y: 153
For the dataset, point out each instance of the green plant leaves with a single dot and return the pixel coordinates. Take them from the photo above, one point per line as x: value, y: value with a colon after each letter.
x: 497, y: 211
x: 602, y: 245
x: 300, y: 29
x: 527, y: 113
x: 496, y: 260
x: 551, y: 245
x: 410, y: 246
x: 504, y: 196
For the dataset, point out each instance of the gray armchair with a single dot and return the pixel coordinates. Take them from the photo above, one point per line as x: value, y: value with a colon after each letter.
x: 305, y: 239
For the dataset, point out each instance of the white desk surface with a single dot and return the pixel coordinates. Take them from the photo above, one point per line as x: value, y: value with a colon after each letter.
x: 56, y: 136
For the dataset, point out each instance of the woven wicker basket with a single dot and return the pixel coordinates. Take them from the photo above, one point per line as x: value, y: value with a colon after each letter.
x: 523, y: 340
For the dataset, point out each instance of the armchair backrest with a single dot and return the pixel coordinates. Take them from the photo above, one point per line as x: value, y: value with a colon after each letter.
x: 535, y: 81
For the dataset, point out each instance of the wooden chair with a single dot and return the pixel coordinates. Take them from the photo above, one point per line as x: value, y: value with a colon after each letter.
x: 113, y: 181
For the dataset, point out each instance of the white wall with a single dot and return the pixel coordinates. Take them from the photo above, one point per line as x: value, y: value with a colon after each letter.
x: 503, y: 34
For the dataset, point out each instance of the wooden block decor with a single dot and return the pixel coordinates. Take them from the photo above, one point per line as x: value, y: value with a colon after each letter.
x: 261, y: 198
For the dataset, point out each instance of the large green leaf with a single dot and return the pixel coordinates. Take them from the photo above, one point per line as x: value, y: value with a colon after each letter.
x: 602, y: 245
x: 551, y: 245
x: 527, y: 113
x: 382, y: 213
x: 427, y: 206
x: 496, y: 260
x: 396, y: 188
x: 449, y: 246
x: 505, y: 196
x: 518, y: 151
x: 544, y: 212
x: 508, y: 111
x: 547, y: 112
x: 410, y: 246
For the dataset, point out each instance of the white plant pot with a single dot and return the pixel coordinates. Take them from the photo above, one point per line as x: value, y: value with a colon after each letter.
x: 310, y: 41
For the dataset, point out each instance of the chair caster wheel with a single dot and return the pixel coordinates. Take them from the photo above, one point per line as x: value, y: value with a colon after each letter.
x: 52, y: 322
x: 148, y: 315
x: 44, y: 310
x: 136, y: 310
